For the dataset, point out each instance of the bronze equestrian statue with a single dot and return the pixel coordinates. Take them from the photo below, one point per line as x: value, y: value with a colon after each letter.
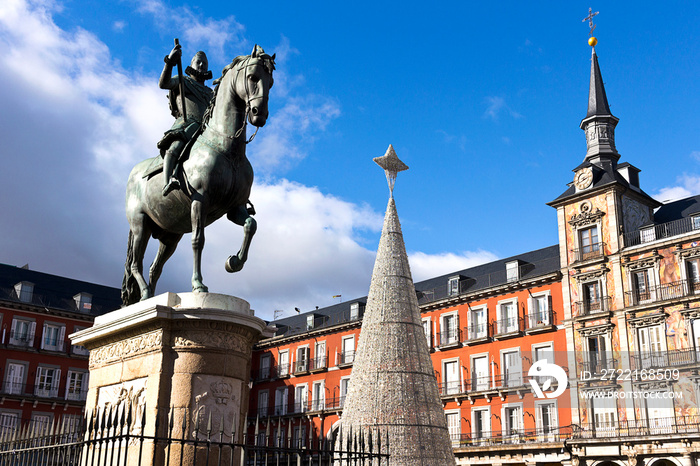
x: 215, y: 179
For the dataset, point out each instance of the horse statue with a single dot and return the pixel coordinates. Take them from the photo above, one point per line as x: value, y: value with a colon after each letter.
x: 215, y: 178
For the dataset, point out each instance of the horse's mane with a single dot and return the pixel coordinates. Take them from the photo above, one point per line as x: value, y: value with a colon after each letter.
x: 268, y: 63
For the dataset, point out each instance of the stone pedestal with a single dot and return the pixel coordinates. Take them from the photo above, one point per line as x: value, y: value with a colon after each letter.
x: 184, y: 355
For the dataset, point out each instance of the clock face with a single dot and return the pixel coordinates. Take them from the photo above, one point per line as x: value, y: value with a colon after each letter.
x: 583, y: 178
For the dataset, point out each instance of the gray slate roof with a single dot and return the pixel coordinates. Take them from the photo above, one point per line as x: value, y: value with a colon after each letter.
x: 677, y: 210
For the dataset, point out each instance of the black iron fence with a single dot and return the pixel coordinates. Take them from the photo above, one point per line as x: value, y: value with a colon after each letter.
x: 593, y: 306
x: 663, y: 292
x: 548, y: 434
x: 121, y: 436
x: 665, y: 230
x: 589, y: 252
x: 679, y: 425
x: 665, y: 359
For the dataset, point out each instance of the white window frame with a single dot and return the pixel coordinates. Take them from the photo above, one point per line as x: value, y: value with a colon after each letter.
x: 478, y: 330
x: 79, y: 349
x: 23, y: 339
x: 538, y: 317
x: 595, y: 247
x: 40, y: 422
x: 263, y: 402
x: 16, y: 385
x: 511, y: 377
x: 486, y: 433
x: 593, y: 306
x: 318, y: 395
x: 454, y: 429
x: 53, y: 336
x: 604, y: 417
x: 451, y: 387
x: 511, y: 433
x: 512, y: 271
x: 281, y: 401
x: 320, y: 361
x: 484, y: 382
x: 428, y: 330
x: 346, y: 359
x: 300, y: 406
x: 453, y: 286
x: 546, y: 433
x: 509, y: 324
x: 77, y: 385
x: 9, y: 421
x: 449, y: 336
x: 693, y: 282
x: 47, y: 385
x: 302, y: 364
x: 343, y: 393
x: 652, y: 354
x: 355, y: 311
x: 283, y: 367
x: 265, y: 366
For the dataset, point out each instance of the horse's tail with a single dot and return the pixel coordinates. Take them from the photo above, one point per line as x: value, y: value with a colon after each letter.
x: 130, y: 287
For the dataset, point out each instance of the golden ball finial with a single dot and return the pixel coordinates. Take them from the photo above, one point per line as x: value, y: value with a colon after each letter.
x: 592, y: 41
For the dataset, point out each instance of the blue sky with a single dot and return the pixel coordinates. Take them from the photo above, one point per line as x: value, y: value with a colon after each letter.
x: 481, y: 99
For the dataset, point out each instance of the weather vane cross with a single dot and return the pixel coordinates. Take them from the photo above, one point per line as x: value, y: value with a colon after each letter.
x: 589, y: 18
x: 392, y: 165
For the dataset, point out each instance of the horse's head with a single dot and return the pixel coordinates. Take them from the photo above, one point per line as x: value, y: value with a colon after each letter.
x: 253, y: 80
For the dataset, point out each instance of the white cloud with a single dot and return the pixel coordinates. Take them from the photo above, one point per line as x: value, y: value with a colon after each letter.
x: 688, y: 185
x: 496, y: 106
x: 424, y: 266
x: 119, y: 26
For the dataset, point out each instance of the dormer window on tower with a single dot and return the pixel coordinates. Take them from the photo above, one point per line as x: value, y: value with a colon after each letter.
x: 355, y: 310
x: 83, y: 301
x: 453, y: 285
x: 25, y: 291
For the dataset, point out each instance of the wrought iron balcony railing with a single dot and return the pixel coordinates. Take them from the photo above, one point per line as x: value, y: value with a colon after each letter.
x: 507, y: 326
x: 593, y: 306
x: 662, y: 231
x: 542, y: 319
x: 665, y: 359
x: 663, y: 292
x: 477, y: 331
x: 450, y: 337
x: 590, y: 252
x: 679, y: 425
x: 597, y: 364
x: 346, y: 358
x: 547, y: 434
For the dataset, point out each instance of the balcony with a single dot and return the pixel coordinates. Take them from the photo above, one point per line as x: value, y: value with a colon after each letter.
x: 449, y: 339
x: 592, y: 307
x: 680, y: 425
x: 665, y: 359
x: 664, y: 292
x: 40, y: 390
x: 279, y: 371
x: 598, y: 364
x: 21, y: 339
x: 301, y: 366
x: 319, y: 364
x: 663, y: 231
x: 346, y: 358
x: 541, y: 435
x: 591, y: 252
x: 540, y: 321
x: 476, y: 333
x: 509, y: 327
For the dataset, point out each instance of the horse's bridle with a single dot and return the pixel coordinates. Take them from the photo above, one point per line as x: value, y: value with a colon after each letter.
x: 249, y: 100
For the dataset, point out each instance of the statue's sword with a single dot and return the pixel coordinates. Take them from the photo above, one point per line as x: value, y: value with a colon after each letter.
x: 181, y: 81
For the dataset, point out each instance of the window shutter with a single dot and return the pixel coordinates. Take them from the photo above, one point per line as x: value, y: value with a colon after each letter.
x: 36, y: 380
x: 68, y: 374
x: 538, y: 418
x: 61, y: 337
x: 550, y: 305
x: 530, y: 305
x: 56, y: 382
x: 14, y: 328
x: 43, y: 336
x: 32, y: 330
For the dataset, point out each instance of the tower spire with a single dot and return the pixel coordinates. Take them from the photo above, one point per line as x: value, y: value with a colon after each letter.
x: 599, y: 124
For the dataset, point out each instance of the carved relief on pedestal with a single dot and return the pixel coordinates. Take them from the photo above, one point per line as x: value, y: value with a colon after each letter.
x: 126, y: 348
x: 634, y: 214
x: 217, y: 335
x: 216, y: 398
x: 125, y: 395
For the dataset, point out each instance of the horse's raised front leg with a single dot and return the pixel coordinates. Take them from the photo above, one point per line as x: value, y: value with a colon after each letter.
x: 199, y: 218
x: 168, y: 244
x: 240, y: 216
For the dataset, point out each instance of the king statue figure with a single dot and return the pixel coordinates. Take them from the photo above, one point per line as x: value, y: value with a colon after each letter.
x: 188, y: 119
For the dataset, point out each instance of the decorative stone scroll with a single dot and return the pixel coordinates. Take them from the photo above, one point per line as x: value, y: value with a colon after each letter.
x: 597, y: 330
x: 648, y: 320
x: 587, y: 215
x: 590, y: 275
x: 126, y: 348
x: 644, y: 263
x: 687, y: 253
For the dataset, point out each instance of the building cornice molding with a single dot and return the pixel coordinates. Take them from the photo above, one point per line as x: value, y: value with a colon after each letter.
x: 588, y: 216
x: 596, y: 330
x: 647, y: 320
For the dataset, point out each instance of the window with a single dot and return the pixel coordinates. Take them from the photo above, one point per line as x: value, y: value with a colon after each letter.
x: 508, y: 317
x: 354, y: 311
x: 454, y: 427
x: 451, y: 380
x: 77, y: 349
x: 512, y: 272
x: 428, y: 332
x: 263, y: 401
x: 478, y: 326
x: 300, y: 398
x: 283, y: 368
x: 450, y: 329
x: 592, y: 301
x: 660, y: 413
x: 481, y: 423
x: 598, y: 357
x: 344, y: 384
x: 347, y: 354
x: 546, y: 420
x: 696, y: 222
x: 480, y: 372
x: 642, y: 286
x: 453, y: 286
x: 265, y: 360
x: 279, y: 439
x: 604, y: 416
x: 320, y: 358
x: 9, y: 423
x: 543, y: 352
x: 652, y: 346
x: 588, y: 243
x: 14, y: 378
x: 309, y: 322
x: 281, y: 401
x: 53, y: 336
x: 25, y: 291
x: 46, y: 383
x: 299, y: 437
x: 513, y: 423
x: 83, y: 301
x: 22, y: 333
x: 539, y: 310
x: 647, y: 235
x: 302, y: 364
x: 511, y: 364
x: 692, y: 268
x: 318, y: 396
x: 76, y: 385
x: 40, y: 423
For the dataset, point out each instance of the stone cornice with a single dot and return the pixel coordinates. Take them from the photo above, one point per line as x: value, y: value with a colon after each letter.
x: 644, y: 262
x: 687, y: 253
x: 647, y: 320
x: 596, y: 330
x: 590, y: 274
